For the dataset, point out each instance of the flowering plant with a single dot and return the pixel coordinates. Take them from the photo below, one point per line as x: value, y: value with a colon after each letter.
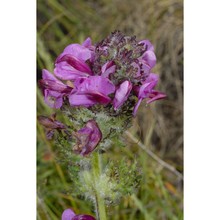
x: 99, y: 88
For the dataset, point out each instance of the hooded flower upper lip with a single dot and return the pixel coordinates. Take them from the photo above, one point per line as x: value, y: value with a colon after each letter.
x: 121, y: 94
x: 69, y: 214
x: 88, y: 138
x: 148, y: 59
x: 146, y: 91
x: 54, y: 90
x: 147, y: 44
x: 71, y: 64
x: 51, y: 83
x: 69, y: 67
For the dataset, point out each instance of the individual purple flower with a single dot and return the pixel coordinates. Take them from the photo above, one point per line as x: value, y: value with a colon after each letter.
x: 148, y: 85
x: 82, y: 52
x: 88, y: 138
x: 148, y: 59
x: 51, y: 124
x: 155, y: 95
x: 146, y: 91
x: 53, y: 99
x: 73, y: 61
x: 90, y: 91
x: 69, y: 214
x: 51, y: 83
x: 121, y: 94
x: 108, y: 68
x: 68, y: 67
x: 53, y: 89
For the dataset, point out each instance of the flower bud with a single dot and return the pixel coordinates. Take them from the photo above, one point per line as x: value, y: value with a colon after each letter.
x: 50, y: 124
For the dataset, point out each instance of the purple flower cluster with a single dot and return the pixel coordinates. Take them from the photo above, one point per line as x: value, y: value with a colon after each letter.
x: 110, y: 73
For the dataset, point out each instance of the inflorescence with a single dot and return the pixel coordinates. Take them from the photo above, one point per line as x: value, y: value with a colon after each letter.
x: 110, y: 78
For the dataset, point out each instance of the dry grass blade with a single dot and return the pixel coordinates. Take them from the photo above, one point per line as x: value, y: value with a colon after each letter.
x: 154, y: 156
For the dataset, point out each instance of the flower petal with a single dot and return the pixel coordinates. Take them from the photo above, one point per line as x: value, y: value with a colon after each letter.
x: 122, y: 94
x: 53, y: 99
x: 54, y: 86
x: 136, y: 107
x: 87, y: 42
x: 50, y: 82
x: 88, y: 99
x: 68, y: 214
x: 99, y: 84
x: 108, y: 68
x: 88, y: 138
x: 75, y: 63
x: 92, y: 90
x: 78, y: 51
x: 150, y: 58
x: 48, y: 75
x: 148, y: 85
x: 148, y: 45
x: 156, y: 95
x: 65, y: 71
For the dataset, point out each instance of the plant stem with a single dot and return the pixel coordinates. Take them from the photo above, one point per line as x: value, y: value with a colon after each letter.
x: 97, y: 170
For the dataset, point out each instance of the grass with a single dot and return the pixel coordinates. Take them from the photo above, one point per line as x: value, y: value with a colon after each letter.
x: 159, y: 127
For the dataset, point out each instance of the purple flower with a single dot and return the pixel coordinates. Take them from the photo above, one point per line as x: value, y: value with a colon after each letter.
x: 148, y: 59
x: 53, y: 99
x: 54, y: 89
x: 73, y: 62
x: 146, y: 91
x: 148, y: 85
x: 90, y: 91
x: 88, y: 138
x: 51, y: 124
x: 147, y: 44
x: 108, y: 68
x: 50, y: 82
x: 121, y: 94
x: 69, y: 214
x: 82, y: 52
x: 156, y: 95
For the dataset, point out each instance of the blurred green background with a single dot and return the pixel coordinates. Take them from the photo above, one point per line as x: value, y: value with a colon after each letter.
x: 159, y: 126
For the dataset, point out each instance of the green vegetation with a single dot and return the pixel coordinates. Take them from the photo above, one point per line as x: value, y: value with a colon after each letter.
x: 159, y: 127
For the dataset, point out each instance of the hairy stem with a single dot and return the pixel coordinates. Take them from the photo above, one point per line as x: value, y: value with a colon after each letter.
x: 99, y: 201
